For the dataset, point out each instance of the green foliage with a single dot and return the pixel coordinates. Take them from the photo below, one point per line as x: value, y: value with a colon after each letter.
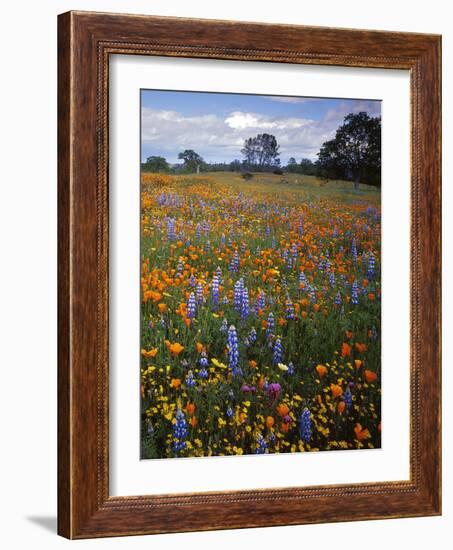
x: 355, y: 152
x: 261, y: 151
x: 156, y: 164
x: 192, y: 160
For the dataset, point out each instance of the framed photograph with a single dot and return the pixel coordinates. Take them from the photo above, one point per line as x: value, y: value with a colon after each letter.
x: 249, y: 275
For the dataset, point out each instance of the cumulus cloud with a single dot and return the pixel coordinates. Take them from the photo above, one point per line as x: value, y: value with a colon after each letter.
x: 220, y: 138
x: 240, y: 120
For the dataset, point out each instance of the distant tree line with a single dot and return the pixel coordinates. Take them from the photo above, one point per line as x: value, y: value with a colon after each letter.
x: 354, y: 154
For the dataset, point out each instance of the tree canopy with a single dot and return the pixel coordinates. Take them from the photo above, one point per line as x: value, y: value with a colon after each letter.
x: 355, y: 151
x: 157, y: 164
x: 261, y: 151
x: 192, y: 160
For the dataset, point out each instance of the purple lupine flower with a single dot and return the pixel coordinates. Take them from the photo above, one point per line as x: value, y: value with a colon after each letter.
x: 290, y: 315
x: 171, y: 229
x: 261, y: 445
x: 199, y: 293
x: 234, y: 265
x: 348, y: 398
x: 229, y: 412
x: 215, y: 291
x: 233, y: 351
x: 238, y: 293
x: 354, y: 250
x: 198, y: 231
x: 252, y: 335
x: 332, y: 279
x: 192, y: 306
x: 371, y: 266
x: 192, y: 281
x: 190, y: 382
x: 203, y: 359
x: 305, y: 425
x: 203, y: 374
x: 270, y: 326
x: 354, y: 293
x: 180, y: 267
x: 245, y: 309
x: 224, y: 326
x: 180, y: 432
x: 277, y: 355
x: 302, y: 278
x: 290, y: 370
x: 337, y: 300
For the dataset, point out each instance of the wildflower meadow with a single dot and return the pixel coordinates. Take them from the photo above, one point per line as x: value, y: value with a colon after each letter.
x: 260, y: 315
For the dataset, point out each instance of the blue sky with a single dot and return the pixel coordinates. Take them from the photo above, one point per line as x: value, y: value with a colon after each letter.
x: 215, y: 125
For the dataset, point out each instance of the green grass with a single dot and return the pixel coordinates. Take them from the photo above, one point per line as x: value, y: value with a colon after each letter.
x: 310, y: 186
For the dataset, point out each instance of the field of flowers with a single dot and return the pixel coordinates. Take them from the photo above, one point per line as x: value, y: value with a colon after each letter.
x: 260, y: 317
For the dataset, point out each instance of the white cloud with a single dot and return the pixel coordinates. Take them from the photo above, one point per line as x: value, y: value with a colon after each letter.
x: 219, y: 138
x: 240, y: 120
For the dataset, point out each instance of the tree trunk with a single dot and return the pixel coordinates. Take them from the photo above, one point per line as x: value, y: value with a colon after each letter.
x: 198, y: 168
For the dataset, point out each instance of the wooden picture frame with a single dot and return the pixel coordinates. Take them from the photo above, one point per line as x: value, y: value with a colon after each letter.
x: 85, y: 42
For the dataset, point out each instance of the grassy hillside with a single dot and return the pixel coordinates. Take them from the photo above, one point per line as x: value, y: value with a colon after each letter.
x: 309, y: 188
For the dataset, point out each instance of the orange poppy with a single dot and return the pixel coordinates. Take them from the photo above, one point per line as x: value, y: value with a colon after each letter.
x: 176, y: 348
x: 336, y: 390
x: 175, y: 383
x: 361, y: 348
x: 341, y: 407
x: 270, y: 421
x: 370, y: 376
x: 199, y: 347
x: 345, y: 350
x: 149, y: 353
x: 361, y: 433
x: 283, y: 409
x: 190, y: 407
x: 162, y: 307
x: 284, y: 428
x: 321, y: 370
x: 252, y: 364
x: 358, y: 363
